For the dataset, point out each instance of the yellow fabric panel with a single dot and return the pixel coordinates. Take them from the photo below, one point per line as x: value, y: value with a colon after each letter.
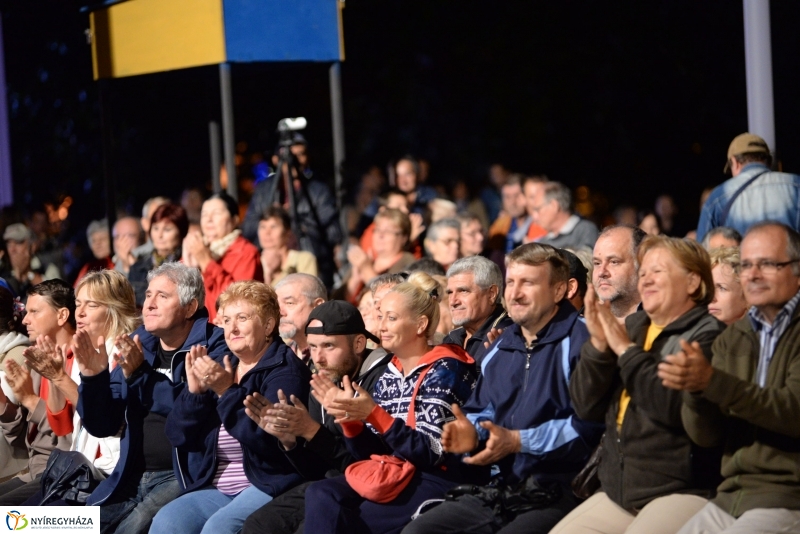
x: 652, y: 333
x: 144, y: 36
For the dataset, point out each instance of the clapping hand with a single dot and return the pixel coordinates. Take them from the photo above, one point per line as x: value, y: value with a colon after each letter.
x: 130, y: 355
x: 216, y: 377
x: 21, y: 383
x: 348, y: 406
x: 46, y: 358
x: 92, y: 359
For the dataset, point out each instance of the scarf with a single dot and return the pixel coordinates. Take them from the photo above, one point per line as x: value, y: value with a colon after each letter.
x: 221, y: 246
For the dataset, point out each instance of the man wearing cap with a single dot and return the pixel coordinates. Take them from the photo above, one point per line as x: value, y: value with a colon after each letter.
x: 313, y: 442
x: 26, y: 269
x: 315, y: 209
x: 754, y: 193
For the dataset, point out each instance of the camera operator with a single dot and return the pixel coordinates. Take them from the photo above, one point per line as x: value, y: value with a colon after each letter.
x: 315, y: 214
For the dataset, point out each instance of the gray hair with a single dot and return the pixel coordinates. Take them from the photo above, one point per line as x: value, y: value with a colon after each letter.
x: 724, y: 231
x: 792, y: 241
x: 560, y: 193
x: 486, y: 273
x: 96, y: 226
x: 312, y: 287
x: 433, y: 229
x: 188, y: 280
x: 149, y: 202
x: 387, y: 279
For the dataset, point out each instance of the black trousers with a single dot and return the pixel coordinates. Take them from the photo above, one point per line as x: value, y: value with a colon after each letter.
x: 469, y: 514
x: 282, y: 515
x: 15, y: 492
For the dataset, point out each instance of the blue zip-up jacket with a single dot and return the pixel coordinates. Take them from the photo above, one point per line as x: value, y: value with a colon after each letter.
x: 193, y: 425
x: 107, y: 401
x: 528, y: 390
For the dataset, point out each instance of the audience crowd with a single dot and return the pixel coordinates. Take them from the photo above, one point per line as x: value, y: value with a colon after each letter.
x: 419, y: 364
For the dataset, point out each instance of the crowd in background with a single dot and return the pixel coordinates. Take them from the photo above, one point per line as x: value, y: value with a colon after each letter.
x: 220, y: 367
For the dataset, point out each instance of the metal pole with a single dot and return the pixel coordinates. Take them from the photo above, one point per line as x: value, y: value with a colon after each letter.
x: 6, y: 185
x: 758, y: 63
x: 216, y: 157
x: 227, y: 128
x: 335, y: 76
x: 107, y: 136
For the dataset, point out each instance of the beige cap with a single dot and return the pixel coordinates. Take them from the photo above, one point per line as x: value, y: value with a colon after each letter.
x: 16, y: 232
x: 745, y: 143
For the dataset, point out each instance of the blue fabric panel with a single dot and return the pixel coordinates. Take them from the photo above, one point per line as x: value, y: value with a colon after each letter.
x: 277, y: 30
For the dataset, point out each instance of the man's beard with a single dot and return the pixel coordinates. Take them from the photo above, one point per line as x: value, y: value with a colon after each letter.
x: 287, y: 330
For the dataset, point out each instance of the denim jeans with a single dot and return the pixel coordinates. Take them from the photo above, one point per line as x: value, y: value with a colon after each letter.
x: 134, y: 509
x: 209, y: 511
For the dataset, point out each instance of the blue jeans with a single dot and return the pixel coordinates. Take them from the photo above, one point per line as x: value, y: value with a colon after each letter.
x: 208, y: 511
x: 134, y: 509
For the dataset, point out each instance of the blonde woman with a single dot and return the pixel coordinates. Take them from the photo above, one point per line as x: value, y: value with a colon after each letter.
x: 105, y: 308
x: 729, y: 304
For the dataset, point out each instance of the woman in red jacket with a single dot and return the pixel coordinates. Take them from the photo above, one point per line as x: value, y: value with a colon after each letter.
x: 220, y: 251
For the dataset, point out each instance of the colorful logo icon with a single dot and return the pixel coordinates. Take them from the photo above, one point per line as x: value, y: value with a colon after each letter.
x: 19, y: 521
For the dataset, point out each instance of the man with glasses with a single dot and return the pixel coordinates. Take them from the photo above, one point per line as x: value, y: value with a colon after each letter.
x: 748, y: 398
x: 551, y: 208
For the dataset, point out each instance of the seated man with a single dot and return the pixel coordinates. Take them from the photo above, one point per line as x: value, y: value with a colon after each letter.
x: 746, y: 399
x: 313, y: 442
x: 298, y: 294
x: 474, y: 288
x: 520, y: 416
x: 137, y: 395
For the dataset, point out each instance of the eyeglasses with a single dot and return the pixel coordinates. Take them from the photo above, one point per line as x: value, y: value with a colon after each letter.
x: 541, y: 206
x: 240, y: 319
x: 386, y: 232
x: 765, y: 266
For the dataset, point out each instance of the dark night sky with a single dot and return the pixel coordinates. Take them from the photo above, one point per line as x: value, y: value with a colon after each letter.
x: 629, y: 98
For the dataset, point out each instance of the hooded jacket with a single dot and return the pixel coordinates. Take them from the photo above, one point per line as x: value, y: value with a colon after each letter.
x: 449, y: 378
x: 108, y: 403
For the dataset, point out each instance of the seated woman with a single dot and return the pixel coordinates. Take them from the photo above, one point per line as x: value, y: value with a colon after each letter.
x: 389, y: 241
x: 168, y: 227
x: 729, y: 304
x: 220, y: 251
x: 105, y: 308
x: 653, y: 478
x: 430, y: 380
x: 231, y: 467
x: 277, y: 259
x: 23, y: 412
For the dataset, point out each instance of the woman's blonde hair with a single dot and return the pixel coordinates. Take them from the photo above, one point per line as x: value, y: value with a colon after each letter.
x: 691, y: 256
x: 422, y: 294
x: 258, y: 295
x: 113, y: 290
x: 726, y: 256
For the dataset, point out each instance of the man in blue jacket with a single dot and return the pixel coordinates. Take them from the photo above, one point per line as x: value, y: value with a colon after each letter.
x: 520, y: 416
x: 134, y: 399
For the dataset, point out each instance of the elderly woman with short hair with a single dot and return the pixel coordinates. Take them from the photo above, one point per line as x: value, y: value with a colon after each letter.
x: 652, y: 477
x: 230, y: 467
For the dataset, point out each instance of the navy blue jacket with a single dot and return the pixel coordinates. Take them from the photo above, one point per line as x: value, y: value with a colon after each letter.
x: 193, y: 425
x: 528, y: 390
x: 107, y: 401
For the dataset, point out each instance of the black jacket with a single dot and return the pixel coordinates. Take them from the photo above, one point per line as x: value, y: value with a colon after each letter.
x: 651, y: 455
x: 326, y: 453
x: 475, y: 345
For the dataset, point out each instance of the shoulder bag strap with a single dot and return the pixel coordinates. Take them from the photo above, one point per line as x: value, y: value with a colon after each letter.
x: 411, y: 419
x: 723, y: 218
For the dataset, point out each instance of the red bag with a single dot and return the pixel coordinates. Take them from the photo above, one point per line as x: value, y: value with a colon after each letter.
x: 383, y: 477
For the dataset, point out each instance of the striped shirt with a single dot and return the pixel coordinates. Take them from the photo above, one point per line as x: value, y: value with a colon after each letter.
x: 769, y: 334
x: 230, y: 478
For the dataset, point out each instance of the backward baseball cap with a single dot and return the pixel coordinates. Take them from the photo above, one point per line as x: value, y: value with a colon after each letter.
x: 745, y: 143
x: 338, y: 318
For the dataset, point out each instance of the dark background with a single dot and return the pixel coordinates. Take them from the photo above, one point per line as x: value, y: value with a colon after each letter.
x: 632, y: 99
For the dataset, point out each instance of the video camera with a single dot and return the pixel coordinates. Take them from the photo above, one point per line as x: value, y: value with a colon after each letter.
x: 286, y: 127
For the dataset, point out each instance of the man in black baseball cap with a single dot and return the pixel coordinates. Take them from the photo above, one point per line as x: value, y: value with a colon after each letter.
x: 337, y: 339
